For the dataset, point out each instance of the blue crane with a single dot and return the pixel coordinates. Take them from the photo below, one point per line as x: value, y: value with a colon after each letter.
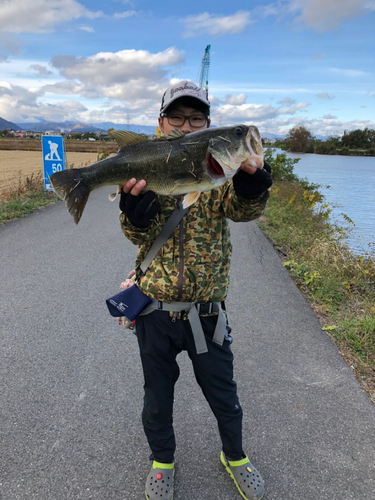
x: 203, y: 78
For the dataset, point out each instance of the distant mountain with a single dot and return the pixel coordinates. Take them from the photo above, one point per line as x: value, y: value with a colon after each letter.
x: 68, y: 126
x: 76, y: 126
x: 139, y: 129
x: 5, y: 125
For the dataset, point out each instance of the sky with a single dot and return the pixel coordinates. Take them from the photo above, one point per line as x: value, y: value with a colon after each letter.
x: 276, y: 65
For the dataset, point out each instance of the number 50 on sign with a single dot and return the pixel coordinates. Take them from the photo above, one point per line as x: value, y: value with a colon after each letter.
x: 53, y: 157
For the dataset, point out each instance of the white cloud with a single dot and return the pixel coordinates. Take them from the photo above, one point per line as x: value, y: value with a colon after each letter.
x: 325, y: 95
x: 246, y: 112
x: 348, y: 72
x: 22, y: 105
x: 329, y: 117
x: 272, y: 9
x: 64, y: 88
x: 216, y: 25
x: 9, y: 43
x: 41, y: 70
x: 292, y: 110
x: 235, y: 99
x: 15, y: 100
x: 136, y: 78
x: 127, y: 75
x: 23, y: 16
x: 333, y: 126
x: 89, y: 29
x: 126, y: 2
x: 324, y: 15
x: 287, y: 100
x: 127, y: 13
x: 321, y: 15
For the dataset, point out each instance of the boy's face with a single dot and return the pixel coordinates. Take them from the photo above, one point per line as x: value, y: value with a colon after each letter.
x: 179, y: 110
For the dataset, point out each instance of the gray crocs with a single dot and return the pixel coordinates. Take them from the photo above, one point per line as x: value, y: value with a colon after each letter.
x: 159, y: 484
x: 248, y: 480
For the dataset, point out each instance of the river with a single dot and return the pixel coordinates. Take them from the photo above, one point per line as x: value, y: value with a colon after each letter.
x: 348, y: 185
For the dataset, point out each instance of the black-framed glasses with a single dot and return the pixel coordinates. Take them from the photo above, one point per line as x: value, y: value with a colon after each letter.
x: 177, y: 120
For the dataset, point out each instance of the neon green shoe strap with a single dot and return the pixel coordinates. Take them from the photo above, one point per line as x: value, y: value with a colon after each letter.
x: 159, y: 465
x: 238, y: 463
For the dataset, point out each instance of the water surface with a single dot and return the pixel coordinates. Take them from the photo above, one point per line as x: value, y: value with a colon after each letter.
x: 348, y: 185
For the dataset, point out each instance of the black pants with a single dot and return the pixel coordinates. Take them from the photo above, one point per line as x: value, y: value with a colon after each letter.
x: 160, y: 340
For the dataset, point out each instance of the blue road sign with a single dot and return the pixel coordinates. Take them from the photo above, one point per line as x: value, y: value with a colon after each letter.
x: 53, y: 157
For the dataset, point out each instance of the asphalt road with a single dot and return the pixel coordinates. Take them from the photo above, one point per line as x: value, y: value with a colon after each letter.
x: 71, y: 382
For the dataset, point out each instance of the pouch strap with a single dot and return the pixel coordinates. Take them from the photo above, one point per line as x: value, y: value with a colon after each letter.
x: 194, y: 320
x: 162, y: 237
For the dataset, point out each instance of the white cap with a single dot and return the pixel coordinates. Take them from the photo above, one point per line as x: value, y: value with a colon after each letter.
x: 183, y: 89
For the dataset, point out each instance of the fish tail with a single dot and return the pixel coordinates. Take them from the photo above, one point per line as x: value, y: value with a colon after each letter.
x: 71, y: 187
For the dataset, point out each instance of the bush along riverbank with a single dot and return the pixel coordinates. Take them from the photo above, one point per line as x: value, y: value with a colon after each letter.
x: 339, y: 285
x: 355, y: 143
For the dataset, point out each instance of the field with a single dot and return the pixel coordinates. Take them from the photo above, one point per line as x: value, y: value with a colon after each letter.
x: 18, y: 164
x: 70, y: 146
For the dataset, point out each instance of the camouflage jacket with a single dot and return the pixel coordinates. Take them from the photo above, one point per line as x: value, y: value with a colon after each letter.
x: 193, y: 265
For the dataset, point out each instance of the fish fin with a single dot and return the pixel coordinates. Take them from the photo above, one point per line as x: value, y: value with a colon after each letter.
x: 113, y: 196
x: 175, y: 134
x: 190, y: 198
x: 125, y: 138
x: 70, y: 186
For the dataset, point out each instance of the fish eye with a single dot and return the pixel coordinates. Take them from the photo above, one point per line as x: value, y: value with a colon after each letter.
x: 239, y: 131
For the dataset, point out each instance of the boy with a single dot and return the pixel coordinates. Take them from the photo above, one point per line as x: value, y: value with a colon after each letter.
x: 192, y: 267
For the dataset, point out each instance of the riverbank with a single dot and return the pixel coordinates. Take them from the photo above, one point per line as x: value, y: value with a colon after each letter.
x: 323, y: 151
x: 339, y: 285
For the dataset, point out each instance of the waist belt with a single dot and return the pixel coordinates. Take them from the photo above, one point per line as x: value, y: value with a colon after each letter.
x: 192, y: 309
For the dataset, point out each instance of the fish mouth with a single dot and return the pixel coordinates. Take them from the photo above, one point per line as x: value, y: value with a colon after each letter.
x: 227, y: 168
x: 256, y: 153
x: 214, y: 168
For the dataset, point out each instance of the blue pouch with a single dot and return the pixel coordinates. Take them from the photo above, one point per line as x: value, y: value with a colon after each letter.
x: 130, y: 302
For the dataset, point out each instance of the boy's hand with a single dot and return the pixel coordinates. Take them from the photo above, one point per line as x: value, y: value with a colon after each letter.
x: 141, y: 210
x: 254, y: 185
x: 134, y: 187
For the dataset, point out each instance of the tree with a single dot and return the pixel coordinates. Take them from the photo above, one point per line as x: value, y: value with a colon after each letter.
x: 300, y: 140
x: 359, y: 139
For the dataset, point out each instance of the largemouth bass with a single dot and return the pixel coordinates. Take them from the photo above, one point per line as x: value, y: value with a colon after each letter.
x: 176, y: 164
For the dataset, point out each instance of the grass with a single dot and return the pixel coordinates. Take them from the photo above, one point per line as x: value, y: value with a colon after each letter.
x: 25, y: 197
x: 339, y: 285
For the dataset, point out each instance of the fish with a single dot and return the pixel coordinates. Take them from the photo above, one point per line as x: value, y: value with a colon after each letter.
x: 175, y: 164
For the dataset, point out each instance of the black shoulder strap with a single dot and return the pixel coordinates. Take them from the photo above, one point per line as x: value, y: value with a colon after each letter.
x: 162, y: 237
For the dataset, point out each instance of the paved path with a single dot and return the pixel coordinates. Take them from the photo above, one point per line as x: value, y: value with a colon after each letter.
x: 71, y: 382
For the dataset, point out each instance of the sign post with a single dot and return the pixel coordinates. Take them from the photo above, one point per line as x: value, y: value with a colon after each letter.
x: 53, y: 157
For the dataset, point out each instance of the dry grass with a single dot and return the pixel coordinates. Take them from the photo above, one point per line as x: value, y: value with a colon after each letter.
x: 17, y: 166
